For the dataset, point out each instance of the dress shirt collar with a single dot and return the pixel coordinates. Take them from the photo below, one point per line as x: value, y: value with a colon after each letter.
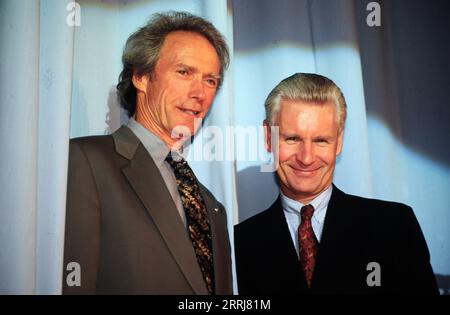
x: 153, y: 144
x: 320, y: 204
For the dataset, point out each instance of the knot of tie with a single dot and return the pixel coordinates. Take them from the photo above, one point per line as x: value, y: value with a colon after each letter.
x: 184, y: 175
x: 177, y: 162
x: 307, y: 212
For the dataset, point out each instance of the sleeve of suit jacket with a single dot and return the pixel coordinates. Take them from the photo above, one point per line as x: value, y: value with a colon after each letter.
x: 418, y: 276
x: 82, y: 234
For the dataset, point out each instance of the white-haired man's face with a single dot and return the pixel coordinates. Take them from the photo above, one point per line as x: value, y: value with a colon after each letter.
x: 309, y: 143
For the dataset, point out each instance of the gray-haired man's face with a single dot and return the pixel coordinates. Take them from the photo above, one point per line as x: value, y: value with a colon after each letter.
x: 183, y: 86
x: 309, y: 143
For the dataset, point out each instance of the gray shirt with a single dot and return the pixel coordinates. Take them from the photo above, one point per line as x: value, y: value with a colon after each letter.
x: 158, y: 150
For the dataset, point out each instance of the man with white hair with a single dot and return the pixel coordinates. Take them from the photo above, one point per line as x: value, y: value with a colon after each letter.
x: 315, y: 238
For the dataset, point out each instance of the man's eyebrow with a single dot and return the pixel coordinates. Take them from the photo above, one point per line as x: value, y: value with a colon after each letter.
x: 288, y: 134
x: 324, y: 137
x: 183, y: 65
x: 194, y: 69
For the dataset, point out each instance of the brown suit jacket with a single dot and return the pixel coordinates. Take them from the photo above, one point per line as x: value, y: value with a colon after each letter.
x: 123, y: 228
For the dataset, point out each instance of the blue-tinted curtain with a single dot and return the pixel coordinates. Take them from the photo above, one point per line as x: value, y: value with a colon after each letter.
x: 58, y: 79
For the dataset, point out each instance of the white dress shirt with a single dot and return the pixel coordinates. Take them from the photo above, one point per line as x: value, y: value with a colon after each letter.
x: 291, y: 209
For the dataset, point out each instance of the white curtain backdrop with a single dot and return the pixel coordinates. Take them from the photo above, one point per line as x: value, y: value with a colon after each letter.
x: 36, y: 83
x: 19, y: 128
x: 58, y: 82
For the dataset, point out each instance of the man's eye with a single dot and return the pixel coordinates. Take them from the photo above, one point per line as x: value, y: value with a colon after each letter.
x: 291, y: 139
x: 183, y: 72
x: 212, y: 82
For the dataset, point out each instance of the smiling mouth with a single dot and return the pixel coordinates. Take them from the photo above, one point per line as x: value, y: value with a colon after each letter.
x: 189, y: 112
x: 304, y: 172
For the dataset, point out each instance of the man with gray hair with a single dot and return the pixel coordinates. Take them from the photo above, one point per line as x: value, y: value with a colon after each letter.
x: 315, y: 239
x: 138, y: 221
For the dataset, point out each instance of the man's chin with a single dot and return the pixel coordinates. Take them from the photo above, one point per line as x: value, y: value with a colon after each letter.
x: 304, y: 191
x: 183, y: 130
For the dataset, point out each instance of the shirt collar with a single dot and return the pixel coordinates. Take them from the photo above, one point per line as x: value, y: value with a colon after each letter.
x: 153, y: 144
x: 320, y: 204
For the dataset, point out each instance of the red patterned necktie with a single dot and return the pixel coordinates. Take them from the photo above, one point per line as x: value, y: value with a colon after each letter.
x: 196, y: 217
x: 307, y: 243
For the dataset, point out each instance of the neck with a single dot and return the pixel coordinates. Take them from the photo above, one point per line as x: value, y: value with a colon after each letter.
x: 145, y: 119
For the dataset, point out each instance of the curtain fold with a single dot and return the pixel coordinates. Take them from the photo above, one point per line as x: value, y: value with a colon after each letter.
x: 55, y: 94
x: 19, y: 114
x: 58, y: 81
x: 36, y: 96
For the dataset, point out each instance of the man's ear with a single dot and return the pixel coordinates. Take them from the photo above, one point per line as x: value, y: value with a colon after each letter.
x: 267, y: 136
x: 140, y: 82
x: 340, y: 142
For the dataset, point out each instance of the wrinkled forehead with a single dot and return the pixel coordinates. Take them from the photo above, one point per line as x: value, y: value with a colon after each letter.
x: 191, y: 49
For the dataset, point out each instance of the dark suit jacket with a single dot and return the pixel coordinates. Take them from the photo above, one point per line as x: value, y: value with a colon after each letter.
x: 124, y: 229
x: 356, y: 231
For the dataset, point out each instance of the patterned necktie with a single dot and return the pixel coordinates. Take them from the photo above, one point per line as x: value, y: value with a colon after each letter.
x: 307, y: 243
x: 196, y: 217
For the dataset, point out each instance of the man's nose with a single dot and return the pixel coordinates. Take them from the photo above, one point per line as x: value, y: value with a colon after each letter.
x: 305, y: 154
x: 197, y: 89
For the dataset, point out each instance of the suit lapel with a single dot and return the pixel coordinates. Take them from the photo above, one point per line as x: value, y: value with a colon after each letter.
x: 280, y: 245
x: 220, y: 245
x: 146, y: 180
x: 336, y: 242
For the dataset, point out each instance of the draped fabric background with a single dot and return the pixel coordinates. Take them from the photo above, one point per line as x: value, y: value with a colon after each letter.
x: 57, y: 82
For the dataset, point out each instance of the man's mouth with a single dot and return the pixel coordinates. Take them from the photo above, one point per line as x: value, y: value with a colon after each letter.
x: 304, y: 172
x: 189, y: 111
